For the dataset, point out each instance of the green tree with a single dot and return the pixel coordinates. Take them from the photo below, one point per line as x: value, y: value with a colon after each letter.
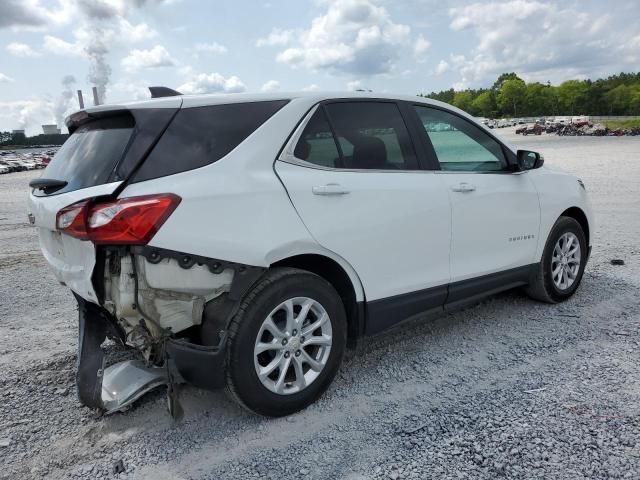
x: 572, y: 95
x: 617, y: 94
x: 634, y: 104
x: 512, y: 95
x: 497, y: 85
x: 619, y: 99
x: 485, y: 104
x: 540, y: 100
x: 445, y: 96
x: 464, y: 100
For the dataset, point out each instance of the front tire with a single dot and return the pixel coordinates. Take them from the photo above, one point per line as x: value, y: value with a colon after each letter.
x: 286, y: 342
x: 560, y: 271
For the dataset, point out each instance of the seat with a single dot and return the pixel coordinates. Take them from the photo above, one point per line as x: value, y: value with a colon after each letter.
x: 369, y: 153
x: 302, y: 150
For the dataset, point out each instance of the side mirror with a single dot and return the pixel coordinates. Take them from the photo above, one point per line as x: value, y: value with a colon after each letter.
x: 528, y: 160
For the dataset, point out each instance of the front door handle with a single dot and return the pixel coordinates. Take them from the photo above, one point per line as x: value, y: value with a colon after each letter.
x: 463, y: 187
x: 329, y: 189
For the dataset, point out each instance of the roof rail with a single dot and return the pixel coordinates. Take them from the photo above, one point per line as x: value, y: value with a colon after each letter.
x: 157, y: 92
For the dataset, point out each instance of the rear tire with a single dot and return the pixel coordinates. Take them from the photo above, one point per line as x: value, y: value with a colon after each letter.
x: 291, y: 324
x: 558, y: 274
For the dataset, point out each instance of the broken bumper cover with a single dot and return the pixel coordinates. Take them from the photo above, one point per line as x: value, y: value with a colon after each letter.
x: 113, y: 388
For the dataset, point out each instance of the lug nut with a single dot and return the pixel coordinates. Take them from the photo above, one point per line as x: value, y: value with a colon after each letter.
x: 295, y: 332
x: 301, y: 339
x: 284, y: 341
x: 297, y: 353
x: 286, y: 354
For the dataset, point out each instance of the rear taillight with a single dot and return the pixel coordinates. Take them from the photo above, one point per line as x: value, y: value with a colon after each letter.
x: 128, y: 221
x: 72, y: 220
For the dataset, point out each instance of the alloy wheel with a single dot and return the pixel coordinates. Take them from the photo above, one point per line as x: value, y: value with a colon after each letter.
x: 293, y: 345
x: 565, y: 261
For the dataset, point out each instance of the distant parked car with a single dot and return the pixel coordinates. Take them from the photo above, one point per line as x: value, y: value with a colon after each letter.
x: 535, y: 129
x: 580, y: 121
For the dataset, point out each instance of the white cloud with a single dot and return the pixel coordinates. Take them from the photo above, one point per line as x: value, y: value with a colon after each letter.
x: 213, y: 47
x: 5, y: 78
x: 421, y: 46
x: 58, y: 46
x: 354, y: 36
x: 130, y: 33
x: 311, y: 88
x: 276, y: 38
x: 22, y: 13
x: 442, y: 67
x: 212, y: 83
x: 541, y: 40
x: 270, y: 86
x: 354, y: 85
x: 118, y: 34
x: 129, y: 89
x: 21, y: 50
x: 156, y: 57
x: 26, y: 114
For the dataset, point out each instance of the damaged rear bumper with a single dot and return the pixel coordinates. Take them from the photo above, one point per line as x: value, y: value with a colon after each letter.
x: 174, y: 308
x: 113, y: 388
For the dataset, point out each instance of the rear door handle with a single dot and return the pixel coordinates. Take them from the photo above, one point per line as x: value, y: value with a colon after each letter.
x: 463, y: 187
x: 329, y: 189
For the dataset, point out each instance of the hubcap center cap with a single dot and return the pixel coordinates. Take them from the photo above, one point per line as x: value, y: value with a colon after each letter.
x: 294, y: 343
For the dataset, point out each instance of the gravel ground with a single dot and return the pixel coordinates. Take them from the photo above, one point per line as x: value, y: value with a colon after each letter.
x: 509, y: 388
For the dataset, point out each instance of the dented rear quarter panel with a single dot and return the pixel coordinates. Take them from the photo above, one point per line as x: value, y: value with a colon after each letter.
x: 71, y: 260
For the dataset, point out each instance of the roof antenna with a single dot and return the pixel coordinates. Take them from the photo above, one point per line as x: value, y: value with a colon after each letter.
x: 157, y: 92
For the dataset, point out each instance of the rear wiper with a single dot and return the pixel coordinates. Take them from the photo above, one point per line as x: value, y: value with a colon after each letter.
x: 47, y: 185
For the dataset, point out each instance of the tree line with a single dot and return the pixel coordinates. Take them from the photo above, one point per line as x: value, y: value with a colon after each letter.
x: 20, y: 140
x: 510, y: 96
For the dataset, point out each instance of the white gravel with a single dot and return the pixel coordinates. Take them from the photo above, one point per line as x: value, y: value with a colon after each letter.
x: 510, y: 388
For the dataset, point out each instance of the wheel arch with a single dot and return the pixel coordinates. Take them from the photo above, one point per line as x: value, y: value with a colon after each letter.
x: 579, y: 216
x: 331, y: 270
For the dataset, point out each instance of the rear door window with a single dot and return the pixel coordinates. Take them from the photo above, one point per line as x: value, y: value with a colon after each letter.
x: 372, y: 136
x: 91, y: 153
x: 199, y: 136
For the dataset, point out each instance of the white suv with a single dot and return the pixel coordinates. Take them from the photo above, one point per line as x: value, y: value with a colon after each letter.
x: 246, y: 240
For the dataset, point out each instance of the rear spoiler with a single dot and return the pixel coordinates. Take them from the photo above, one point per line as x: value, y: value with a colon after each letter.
x: 157, y: 92
x: 80, y: 117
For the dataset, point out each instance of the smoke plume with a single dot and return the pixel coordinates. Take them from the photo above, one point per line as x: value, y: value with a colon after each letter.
x: 99, y: 69
x: 102, y: 23
x: 63, y: 102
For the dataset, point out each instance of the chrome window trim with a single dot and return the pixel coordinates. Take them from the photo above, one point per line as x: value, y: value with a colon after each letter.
x: 486, y: 172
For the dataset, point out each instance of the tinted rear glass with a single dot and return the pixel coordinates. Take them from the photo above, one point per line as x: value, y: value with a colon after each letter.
x: 91, y: 153
x: 199, y: 136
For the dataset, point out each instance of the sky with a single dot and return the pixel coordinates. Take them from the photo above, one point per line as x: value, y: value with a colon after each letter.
x: 51, y: 48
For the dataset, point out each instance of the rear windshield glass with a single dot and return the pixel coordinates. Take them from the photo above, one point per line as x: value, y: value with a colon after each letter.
x: 199, y: 136
x: 91, y: 153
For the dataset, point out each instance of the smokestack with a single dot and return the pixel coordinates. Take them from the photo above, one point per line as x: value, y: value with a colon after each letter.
x: 96, y: 101
x: 80, y: 100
